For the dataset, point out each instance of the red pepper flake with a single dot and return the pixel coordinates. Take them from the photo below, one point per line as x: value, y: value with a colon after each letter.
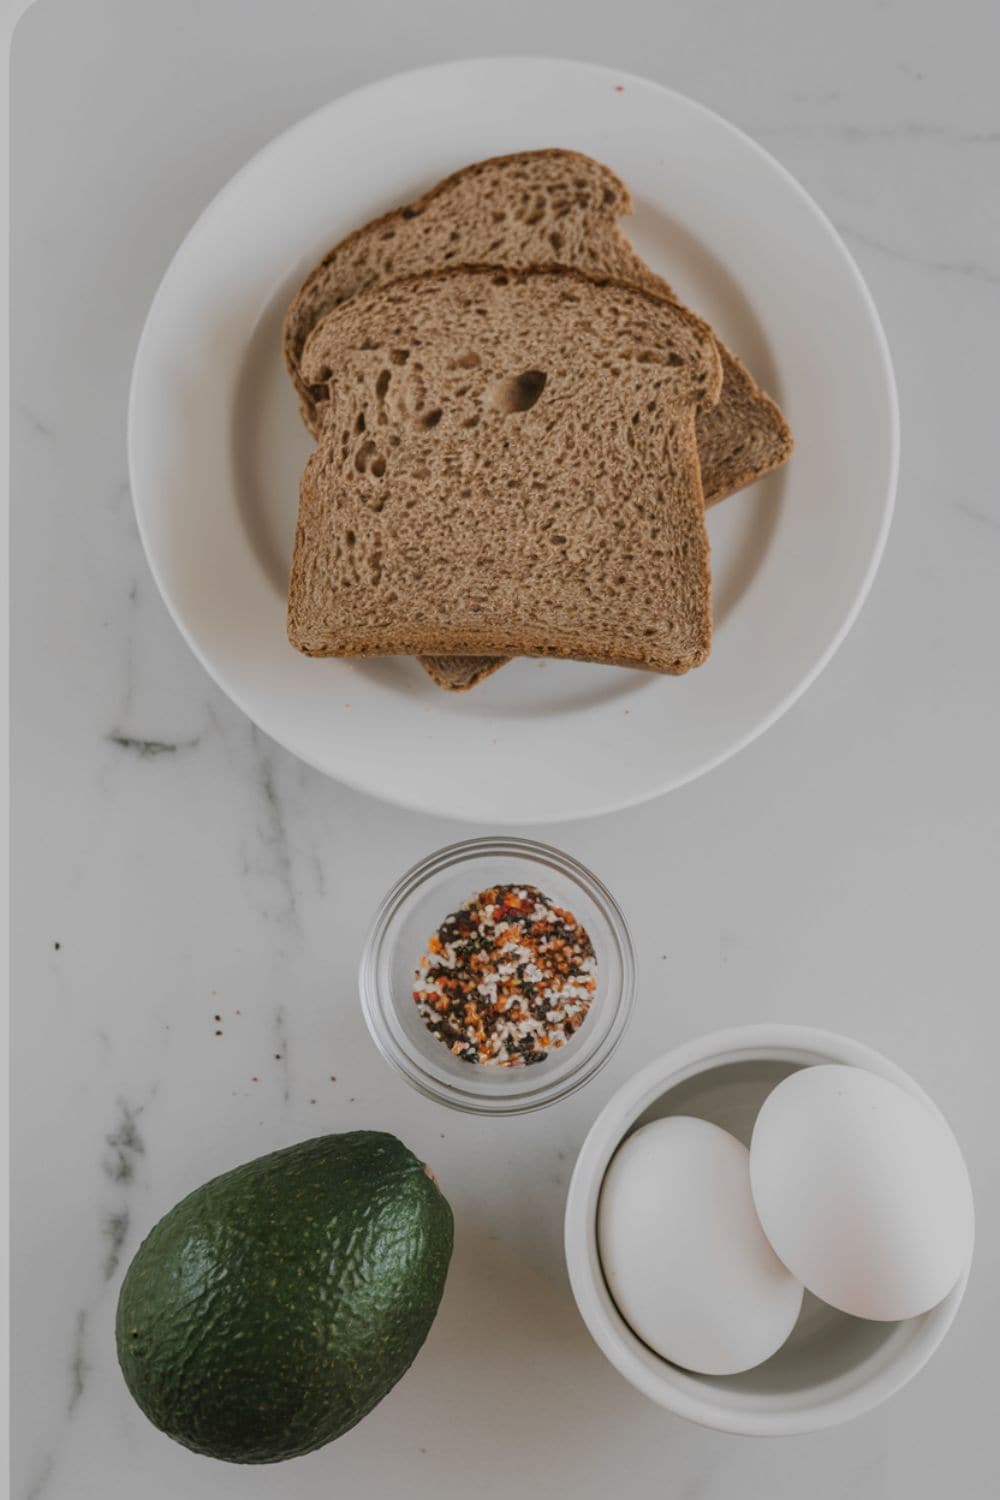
x: 506, y: 979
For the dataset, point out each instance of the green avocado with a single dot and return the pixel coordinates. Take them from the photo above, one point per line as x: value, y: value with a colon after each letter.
x: 275, y: 1306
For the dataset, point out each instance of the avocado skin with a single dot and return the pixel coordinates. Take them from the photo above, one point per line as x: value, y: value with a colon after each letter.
x: 275, y: 1306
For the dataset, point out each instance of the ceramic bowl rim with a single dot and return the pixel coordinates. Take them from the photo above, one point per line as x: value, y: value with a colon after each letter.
x: 674, y: 1389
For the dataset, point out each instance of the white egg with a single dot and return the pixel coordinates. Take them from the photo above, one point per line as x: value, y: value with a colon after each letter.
x: 683, y: 1253
x: 862, y: 1191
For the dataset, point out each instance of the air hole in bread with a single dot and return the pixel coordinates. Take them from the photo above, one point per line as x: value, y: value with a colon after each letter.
x: 323, y: 373
x: 362, y: 456
x: 432, y: 418
x: 519, y: 393
x: 378, y: 467
x: 360, y: 423
x: 556, y: 241
x: 382, y: 384
x: 399, y: 356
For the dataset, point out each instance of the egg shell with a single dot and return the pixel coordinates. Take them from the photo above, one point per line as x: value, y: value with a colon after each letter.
x: 683, y: 1253
x: 862, y: 1191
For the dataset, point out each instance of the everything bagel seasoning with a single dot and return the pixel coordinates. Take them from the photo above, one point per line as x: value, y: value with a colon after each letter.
x: 507, y: 979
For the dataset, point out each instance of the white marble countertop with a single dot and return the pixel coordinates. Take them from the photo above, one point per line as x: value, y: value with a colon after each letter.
x: 189, y: 900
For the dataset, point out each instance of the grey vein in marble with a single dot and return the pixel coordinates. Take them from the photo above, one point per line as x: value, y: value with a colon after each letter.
x: 121, y: 500
x: 304, y: 781
x: 978, y: 514
x: 126, y: 1144
x: 34, y: 422
x: 149, y: 749
x: 115, y: 1229
x: 274, y: 843
x: 78, y: 1362
x: 129, y: 693
x: 865, y: 135
x: 972, y: 270
x: 274, y: 831
x: 41, y: 1479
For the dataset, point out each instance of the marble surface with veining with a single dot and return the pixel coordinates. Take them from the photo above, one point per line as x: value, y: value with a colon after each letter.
x: 188, y: 899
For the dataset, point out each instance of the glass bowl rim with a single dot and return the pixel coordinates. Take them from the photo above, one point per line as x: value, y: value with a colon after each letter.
x: 374, y: 1003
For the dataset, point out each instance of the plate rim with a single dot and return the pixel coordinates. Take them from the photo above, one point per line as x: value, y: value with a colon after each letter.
x: 398, y: 797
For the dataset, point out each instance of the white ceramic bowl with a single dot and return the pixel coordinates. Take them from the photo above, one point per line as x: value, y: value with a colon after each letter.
x: 833, y: 1367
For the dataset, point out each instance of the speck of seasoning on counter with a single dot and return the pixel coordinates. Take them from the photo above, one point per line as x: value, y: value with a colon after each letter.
x: 507, y: 979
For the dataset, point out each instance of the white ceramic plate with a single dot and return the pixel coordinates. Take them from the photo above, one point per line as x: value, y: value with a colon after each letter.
x: 216, y: 445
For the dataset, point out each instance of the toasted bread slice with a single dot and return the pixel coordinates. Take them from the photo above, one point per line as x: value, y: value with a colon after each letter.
x: 531, y: 208
x: 508, y: 466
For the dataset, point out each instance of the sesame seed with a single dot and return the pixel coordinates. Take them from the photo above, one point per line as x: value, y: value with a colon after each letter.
x: 506, y: 978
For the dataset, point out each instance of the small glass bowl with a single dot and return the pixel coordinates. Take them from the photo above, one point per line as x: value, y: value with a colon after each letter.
x: 415, y: 908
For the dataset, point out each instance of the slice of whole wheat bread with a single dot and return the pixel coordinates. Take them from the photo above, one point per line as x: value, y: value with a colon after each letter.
x: 533, y: 208
x: 521, y: 210
x: 508, y: 465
